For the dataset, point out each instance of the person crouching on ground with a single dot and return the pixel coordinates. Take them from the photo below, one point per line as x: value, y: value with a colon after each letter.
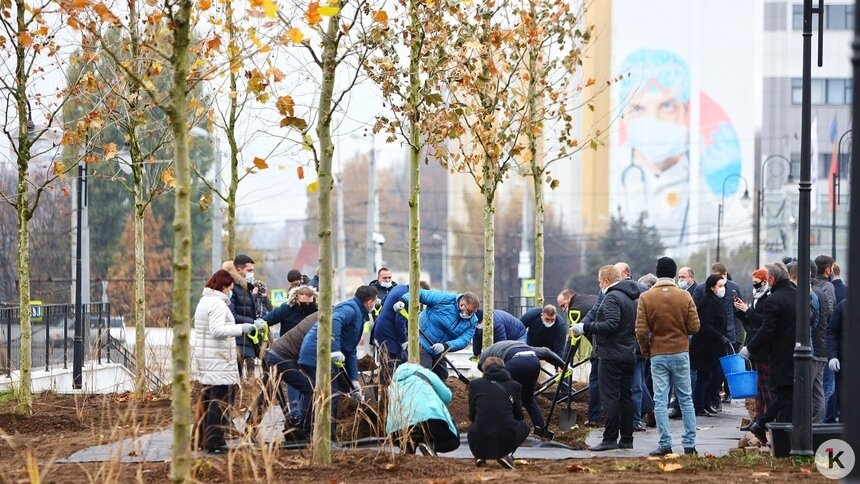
x: 213, y: 359
x: 496, y: 413
x: 417, y: 413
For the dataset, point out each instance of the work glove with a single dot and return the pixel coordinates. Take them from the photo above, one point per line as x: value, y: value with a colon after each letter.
x: 834, y: 364
x: 337, y: 357
x: 404, y: 346
x: 726, y: 341
x: 356, y: 393
x: 399, y: 306
x: 474, y: 359
x: 744, y: 353
x: 578, y: 329
x: 438, y: 348
x: 260, y: 324
x: 247, y: 328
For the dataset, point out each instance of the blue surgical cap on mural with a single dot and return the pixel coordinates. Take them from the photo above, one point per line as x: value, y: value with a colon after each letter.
x: 666, y: 67
x: 721, y: 159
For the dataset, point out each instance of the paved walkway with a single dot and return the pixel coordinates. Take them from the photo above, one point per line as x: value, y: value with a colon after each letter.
x: 715, y: 435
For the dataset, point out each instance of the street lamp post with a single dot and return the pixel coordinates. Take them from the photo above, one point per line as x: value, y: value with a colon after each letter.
x: 835, y: 189
x: 760, y: 200
x: 746, y: 197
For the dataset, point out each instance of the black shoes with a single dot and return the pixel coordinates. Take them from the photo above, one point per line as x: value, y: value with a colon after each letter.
x: 690, y: 451
x: 713, y: 410
x: 220, y: 450
x: 745, y: 428
x: 480, y: 463
x: 675, y: 414
x: 625, y: 445
x: 638, y: 427
x: 507, y: 461
x: 650, y: 420
x: 604, y: 446
x: 660, y: 451
x: 759, y: 431
x: 426, y: 450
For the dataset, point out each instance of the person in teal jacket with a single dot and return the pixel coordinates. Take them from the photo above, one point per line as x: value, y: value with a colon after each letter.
x: 418, y: 415
x: 447, y: 323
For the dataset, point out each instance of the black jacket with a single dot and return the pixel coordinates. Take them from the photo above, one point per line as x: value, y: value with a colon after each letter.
x: 819, y: 320
x: 613, y: 328
x: 539, y: 335
x: 494, y: 407
x: 383, y: 291
x: 776, y: 334
x: 839, y: 289
x: 708, y: 345
x: 289, y: 315
x: 834, y: 332
x: 752, y: 322
x: 244, y: 306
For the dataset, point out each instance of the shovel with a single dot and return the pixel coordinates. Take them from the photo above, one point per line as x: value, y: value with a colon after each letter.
x: 567, y: 418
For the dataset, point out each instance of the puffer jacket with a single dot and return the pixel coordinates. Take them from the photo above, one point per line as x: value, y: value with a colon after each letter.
x: 347, y: 323
x: 213, y: 355
x: 290, y: 313
x: 390, y: 328
x: 613, y: 329
x: 506, y: 327
x: 441, y: 322
x: 244, y: 307
x: 417, y: 395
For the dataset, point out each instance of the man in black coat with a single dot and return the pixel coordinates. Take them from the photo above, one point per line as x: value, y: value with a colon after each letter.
x: 545, y: 328
x: 776, y: 336
x: 496, y: 413
x: 243, y: 304
x: 615, y: 344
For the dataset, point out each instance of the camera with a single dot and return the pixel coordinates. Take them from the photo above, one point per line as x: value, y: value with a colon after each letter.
x: 261, y: 287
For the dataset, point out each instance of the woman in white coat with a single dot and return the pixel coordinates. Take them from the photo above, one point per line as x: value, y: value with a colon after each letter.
x: 213, y: 359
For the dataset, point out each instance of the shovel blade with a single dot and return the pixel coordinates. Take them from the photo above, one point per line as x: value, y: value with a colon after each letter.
x: 567, y: 419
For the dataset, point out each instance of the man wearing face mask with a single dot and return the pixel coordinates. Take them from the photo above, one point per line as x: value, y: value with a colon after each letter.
x: 545, y: 328
x: 383, y: 282
x: 301, y: 301
x: 687, y: 279
x: 243, y: 304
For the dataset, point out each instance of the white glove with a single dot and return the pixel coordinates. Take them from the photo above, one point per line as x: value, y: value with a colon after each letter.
x: 399, y: 306
x: 578, y: 329
x: 404, y: 346
x: 337, y: 357
x: 356, y: 385
x: 247, y: 328
x: 260, y: 323
x: 744, y: 353
x: 834, y: 364
x: 438, y: 348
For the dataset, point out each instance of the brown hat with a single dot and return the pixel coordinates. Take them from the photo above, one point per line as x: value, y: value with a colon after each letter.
x: 760, y: 274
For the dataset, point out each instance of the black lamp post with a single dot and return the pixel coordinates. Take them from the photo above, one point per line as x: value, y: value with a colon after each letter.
x: 835, y: 189
x: 744, y: 198
x: 760, y: 201
x: 78, y: 359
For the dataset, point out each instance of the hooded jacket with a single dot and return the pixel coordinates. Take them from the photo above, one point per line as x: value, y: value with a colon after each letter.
x: 495, y: 406
x: 289, y: 345
x: 390, y: 328
x: 441, y: 322
x: 347, y: 322
x: 244, y: 308
x: 213, y: 355
x: 612, y: 331
x: 417, y: 395
x: 290, y: 313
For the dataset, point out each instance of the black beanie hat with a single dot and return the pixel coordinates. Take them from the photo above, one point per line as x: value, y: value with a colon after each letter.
x: 666, y: 267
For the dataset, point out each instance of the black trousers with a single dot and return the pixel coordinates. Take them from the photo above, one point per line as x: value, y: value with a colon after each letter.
x: 215, y: 420
x: 615, y: 380
x: 525, y: 370
x: 495, y: 443
x: 433, y: 432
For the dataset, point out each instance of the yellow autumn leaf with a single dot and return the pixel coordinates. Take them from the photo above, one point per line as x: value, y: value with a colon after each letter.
x: 167, y: 178
x: 205, y: 5
x: 313, y: 187
x: 260, y: 163
x: 42, y: 31
x: 328, y: 11
x: 110, y: 151
x: 270, y: 8
x: 59, y: 168
x: 295, y: 35
x: 380, y: 16
x: 670, y: 467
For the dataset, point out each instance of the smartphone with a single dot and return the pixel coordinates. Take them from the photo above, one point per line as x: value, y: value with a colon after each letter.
x: 737, y: 297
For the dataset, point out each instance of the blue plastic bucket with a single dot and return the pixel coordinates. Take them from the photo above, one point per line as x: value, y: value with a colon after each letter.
x: 732, y: 364
x: 742, y: 384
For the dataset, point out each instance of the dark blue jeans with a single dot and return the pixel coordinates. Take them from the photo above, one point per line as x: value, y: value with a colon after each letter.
x: 642, y: 401
x: 338, y: 387
x: 525, y: 370
x: 593, y: 392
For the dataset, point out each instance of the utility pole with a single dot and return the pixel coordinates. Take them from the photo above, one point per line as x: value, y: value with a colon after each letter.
x: 371, y: 210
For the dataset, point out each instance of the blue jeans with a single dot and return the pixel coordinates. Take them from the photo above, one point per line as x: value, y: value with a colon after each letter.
x: 673, y: 370
x: 642, y: 402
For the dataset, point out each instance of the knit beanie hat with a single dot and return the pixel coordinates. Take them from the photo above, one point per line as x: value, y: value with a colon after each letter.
x: 666, y: 267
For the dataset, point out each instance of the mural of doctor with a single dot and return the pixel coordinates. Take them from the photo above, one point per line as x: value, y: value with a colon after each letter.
x: 655, y: 129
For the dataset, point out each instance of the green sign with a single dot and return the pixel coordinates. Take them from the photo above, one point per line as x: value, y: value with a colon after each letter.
x: 528, y: 288
x: 279, y: 296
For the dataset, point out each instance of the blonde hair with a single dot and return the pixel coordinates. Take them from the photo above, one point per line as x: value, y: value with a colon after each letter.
x: 609, y: 272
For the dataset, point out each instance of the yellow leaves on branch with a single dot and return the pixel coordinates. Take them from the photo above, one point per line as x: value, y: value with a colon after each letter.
x: 260, y: 163
x: 314, y: 187
x: 296, y: 36
x: 270, y: 8
x: 109, y: 151
x: 59, y: 168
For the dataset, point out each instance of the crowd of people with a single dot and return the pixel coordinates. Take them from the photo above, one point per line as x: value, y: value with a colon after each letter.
x: 657, y: 343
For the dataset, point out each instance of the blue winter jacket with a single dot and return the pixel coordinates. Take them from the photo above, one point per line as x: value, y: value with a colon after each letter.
x: 417, y: 395
x: 539, y: 335
x: 389, y: 330
x: 347, y: 323
x: 506, y: 327
x: 441, y: 322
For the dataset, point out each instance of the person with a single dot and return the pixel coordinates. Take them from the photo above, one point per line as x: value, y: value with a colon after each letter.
x: 390, y: 333
x: 545, y: 328
x: 642, y: 401
x: 835, y: 333
x: 750, y: 315
x: 295, y: 279
x: 687, y: 279
x: 383, y: 283
x: 839, y: 287
x: 264, y: 302
x: 496, y: 415
x: 569, y: 300
x: 523, y: 363
x: 777, y: 336
x: 506, y: 327
x: 280, y: 365
x: 213, y: 360
x: 665, y: 319
x: 594, y: 409
x: 820, y: 310
x: 244, y: 308
x: 447, y: 323
x: 301, y: 301
x: 418, y: 416
x: 648, y: 280
x: 709, y: 344
x: 347, y: 321
x: 614, y: 343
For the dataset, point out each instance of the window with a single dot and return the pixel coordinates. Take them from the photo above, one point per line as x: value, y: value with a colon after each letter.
x: 836, y: 17
x: 832, y: 92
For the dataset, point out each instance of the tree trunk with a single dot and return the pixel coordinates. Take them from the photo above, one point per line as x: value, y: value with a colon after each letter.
x: 414, y: 184
x: 178, y: 111
x: 489, y: 248
x: 230, y: 131
x: 321, y: 444
x: 536, y: 165
x: 539, y: 226
x: 25, y: 389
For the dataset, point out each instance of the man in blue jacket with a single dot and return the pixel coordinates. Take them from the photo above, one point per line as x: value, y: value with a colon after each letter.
x: 390, y: 332
x: 347, y: 322
x: 545, y: 328
x: 506, y: 327
x: 448, y: 323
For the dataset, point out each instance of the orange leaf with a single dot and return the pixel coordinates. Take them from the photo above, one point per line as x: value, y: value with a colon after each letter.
x: 26, y: 39
x: 109, y: 151
x: 260, y: 163
x: 300, y: 171
x: 214, y: 43
x: 286, y: 106
x: 590, y: 82
x: 167, y: 178
x: 205, y: 5
x: 42, y: 31
x: 295, y: 35
x: 313, y: 15
x: 380, y: 16
x: 76, y: 4
x: 105, y: 14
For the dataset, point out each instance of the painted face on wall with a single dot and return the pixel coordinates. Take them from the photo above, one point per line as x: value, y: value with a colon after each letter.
x: 656, y: 123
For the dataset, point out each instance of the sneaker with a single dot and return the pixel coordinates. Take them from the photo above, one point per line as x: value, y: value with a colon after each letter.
x: 480, y: 463
x: 426, y: 449
x: 507, y: 461
x: 690, y: 451
x: 660, y: 451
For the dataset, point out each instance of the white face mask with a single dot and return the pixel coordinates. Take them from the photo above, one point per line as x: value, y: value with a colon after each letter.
x: 546, y: 323
x: 657, y: 140
x: 684, y: 284
x: 385, y: 284
x: 249, y: 278
x: 465, y: 315
x: 721, y: 292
